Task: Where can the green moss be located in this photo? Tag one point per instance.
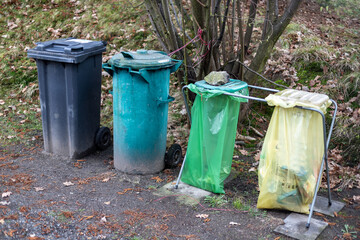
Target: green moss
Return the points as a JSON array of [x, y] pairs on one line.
[[308, 71]]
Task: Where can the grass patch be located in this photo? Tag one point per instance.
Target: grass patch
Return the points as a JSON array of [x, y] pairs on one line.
[[239, 204], [350, 8], [20, 117], [215, 201]]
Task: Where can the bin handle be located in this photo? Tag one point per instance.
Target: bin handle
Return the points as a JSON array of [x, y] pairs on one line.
[[169, 99], [109, 69], [127, 55], [142, 72], [176, 65]]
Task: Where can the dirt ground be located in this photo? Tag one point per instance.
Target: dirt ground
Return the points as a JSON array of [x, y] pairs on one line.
[[53, 197]]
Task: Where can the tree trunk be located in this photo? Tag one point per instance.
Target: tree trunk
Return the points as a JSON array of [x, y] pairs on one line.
[[265, 48]]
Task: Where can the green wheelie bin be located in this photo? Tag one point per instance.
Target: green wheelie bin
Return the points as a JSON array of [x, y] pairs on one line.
[[140, 102]]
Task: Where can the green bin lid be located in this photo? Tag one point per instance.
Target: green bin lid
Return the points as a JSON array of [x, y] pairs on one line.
[[232, 86], [141, 59]]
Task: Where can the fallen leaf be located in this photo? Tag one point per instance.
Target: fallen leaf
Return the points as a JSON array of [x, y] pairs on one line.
[[88, 217], [207, 220], [10, 233], [35, 238], [257, 156], [335, 214], [67, 184], [157, 178], [347, 236], [4, 203], [202, 216], [12, 107], [12, 217], [189, 237], [125, 190], [77, 164], [105, 180], [24, 209], [244, 152], [38, 189], [68, 214], [12, 25], [6, 194], [234, 223], [319, 214]]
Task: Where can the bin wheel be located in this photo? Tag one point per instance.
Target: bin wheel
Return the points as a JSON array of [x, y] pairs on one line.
[[103, 138], [173, 156]]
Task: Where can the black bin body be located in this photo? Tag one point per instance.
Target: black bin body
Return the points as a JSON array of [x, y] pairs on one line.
[[69, 74]]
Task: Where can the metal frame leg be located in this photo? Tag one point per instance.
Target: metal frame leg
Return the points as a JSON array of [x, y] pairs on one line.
[[324, 160], [180, 173], [189, 115]]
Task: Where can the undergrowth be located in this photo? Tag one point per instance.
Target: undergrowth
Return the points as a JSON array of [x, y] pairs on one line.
[[350, 8], [122, 24], [326, 60]]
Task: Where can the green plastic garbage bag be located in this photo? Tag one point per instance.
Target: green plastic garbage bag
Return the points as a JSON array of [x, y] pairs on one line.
[[212, 138]]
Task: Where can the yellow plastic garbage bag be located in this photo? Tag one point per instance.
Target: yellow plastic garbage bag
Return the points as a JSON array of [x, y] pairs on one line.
[[292, 152]]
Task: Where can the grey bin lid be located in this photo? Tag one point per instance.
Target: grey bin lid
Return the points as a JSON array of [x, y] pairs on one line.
[[141, 59], [69, 50]]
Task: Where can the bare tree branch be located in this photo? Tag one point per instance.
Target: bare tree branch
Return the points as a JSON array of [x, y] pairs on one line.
[[158, 23], [250, 23], [180, 24], [241, 49], [266, 20], [169, 25], [216, 8], [218, 42]]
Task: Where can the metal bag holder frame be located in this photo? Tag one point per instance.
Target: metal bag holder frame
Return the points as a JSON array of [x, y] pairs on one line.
[[326, 143]]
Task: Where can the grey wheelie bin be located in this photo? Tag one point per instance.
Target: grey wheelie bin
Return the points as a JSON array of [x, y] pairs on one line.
[[69, 74]]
